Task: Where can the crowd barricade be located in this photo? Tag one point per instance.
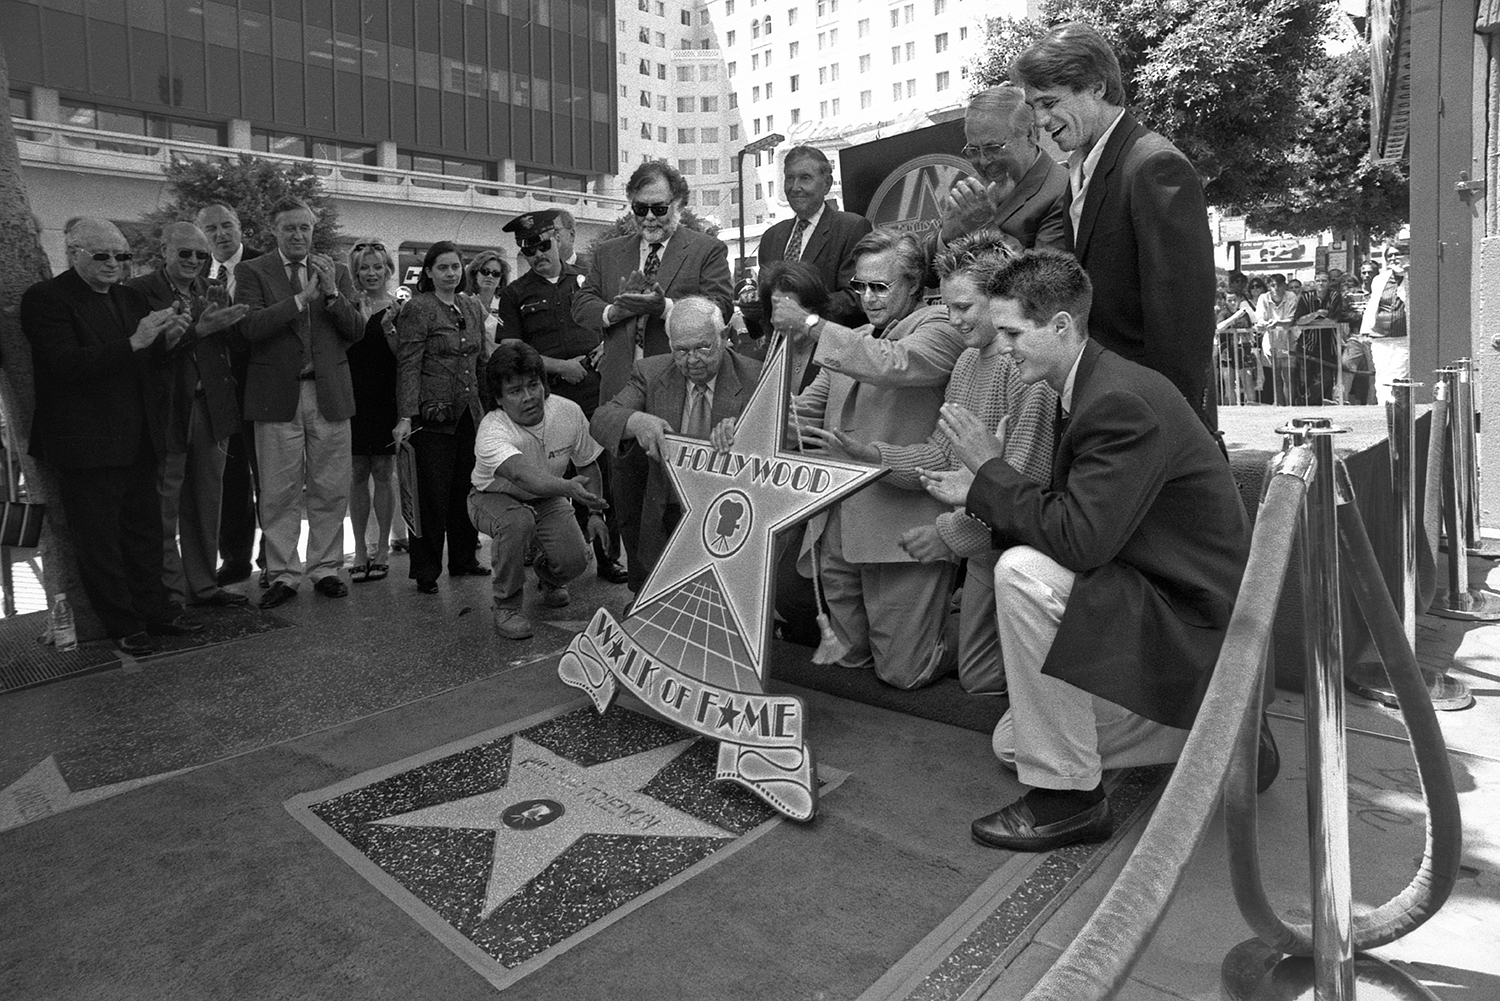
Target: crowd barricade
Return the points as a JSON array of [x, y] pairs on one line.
[[1323, 364]]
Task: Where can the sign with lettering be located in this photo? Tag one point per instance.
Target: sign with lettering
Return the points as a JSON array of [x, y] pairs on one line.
[[694, 645]]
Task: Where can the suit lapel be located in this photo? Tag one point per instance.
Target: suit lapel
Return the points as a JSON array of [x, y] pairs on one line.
[[1062, 456], [1030, 184], [672, 260], [1123, 135], [671, 396], [726, 392], [813, 242]]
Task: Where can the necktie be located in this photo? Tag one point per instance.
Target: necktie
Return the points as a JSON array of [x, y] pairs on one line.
[[653, 263], [794, 245], [294, 275], [1060, 426], [697, 419]]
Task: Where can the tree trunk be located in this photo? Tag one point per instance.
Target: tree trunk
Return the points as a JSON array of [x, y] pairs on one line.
[[22, 264]]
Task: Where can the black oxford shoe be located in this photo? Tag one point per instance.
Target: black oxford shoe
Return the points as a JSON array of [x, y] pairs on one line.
[[1015, 828], [331, 587], [613, 573], [136, 644], [277, 594]]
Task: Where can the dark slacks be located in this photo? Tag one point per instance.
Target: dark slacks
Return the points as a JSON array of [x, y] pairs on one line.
[[609, 551], [445, 468], [627, 489], [115, 515], [237, 504]]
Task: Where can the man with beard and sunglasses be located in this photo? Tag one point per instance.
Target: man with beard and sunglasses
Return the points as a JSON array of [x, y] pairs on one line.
[[631, 287], [203, 411], [538, 308]]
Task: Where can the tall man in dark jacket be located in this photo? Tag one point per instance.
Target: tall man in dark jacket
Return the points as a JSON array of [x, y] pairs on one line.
[[98, 351], [1139, 219], [1116, 581], [202, 413]]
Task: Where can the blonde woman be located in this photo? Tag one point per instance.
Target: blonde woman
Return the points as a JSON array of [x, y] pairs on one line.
[[487, 276], [372, 369]]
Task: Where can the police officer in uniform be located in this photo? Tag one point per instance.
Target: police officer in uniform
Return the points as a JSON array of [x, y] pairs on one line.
[[538, 309]]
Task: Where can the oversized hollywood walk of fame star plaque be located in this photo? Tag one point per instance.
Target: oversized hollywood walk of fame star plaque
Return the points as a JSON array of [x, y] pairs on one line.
[[694, 645]]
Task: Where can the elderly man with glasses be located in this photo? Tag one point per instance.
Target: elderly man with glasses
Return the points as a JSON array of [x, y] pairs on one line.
[[630, 290], [538, 309], [98, 350], [1016, 188], [203, 412]]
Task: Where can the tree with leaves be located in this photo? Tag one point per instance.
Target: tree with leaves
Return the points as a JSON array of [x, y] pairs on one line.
[[252, 185], [1222, 79], [624, 225], [1336, 184]]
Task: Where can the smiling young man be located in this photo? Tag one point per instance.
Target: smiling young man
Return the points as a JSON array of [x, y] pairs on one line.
[[522, 489], [1117, 579], [1139, 223], [817, 233]]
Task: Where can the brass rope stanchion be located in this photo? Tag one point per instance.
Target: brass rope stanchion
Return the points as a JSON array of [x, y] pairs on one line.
[[1298, 961]]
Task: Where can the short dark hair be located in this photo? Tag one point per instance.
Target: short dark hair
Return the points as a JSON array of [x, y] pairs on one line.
[[290, 204], [807, 153], [797, 279], [978, 254], [1072, 55], [1045, 283], [653, 170], [424, 281], [511, 357]]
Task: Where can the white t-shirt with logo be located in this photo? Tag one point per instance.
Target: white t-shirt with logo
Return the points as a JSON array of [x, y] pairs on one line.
[[562, 436]]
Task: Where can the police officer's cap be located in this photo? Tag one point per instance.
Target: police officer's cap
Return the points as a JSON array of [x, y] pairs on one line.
[[530, 227]]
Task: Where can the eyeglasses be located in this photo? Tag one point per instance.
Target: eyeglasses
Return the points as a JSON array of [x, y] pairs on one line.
[[697, 351], [641, 208], [539, 247], [103, 256], [366, 246], [489, 273], [988, 151], [878, 289], [188, 255]]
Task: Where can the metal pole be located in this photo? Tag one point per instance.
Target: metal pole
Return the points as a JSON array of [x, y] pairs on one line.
[[1456, 515], [1463, 409], [1403, 449], [1327, 764], [739, 170]]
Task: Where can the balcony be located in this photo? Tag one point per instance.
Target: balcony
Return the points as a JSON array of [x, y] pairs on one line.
[[85, 150]]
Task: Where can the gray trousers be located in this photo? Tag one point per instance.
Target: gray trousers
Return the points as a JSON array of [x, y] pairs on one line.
[[312, 452], [512, 523]]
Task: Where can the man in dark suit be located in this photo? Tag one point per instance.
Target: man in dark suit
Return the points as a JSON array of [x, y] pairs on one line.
[[300, 397], [692, 390], [220, 223], [817, 233], [202, 413], [1139, 220], [1017, 188], [631, 286], [1316, 357], [1116, 582], [98, 351]]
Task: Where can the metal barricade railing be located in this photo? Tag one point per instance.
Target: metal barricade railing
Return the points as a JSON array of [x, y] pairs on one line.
[[1291, 366], [1307, 485]]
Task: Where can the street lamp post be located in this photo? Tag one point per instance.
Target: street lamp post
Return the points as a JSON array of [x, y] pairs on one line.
[[764, 142]]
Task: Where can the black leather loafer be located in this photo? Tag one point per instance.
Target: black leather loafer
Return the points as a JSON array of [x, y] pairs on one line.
[[221, 599], [178, 625], [278, 594], [613, 573], [1015, 828], [427, 587], [331, 587], [136, 644], [1267, 757]]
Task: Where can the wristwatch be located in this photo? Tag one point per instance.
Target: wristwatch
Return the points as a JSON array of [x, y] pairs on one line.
[[813, 321]]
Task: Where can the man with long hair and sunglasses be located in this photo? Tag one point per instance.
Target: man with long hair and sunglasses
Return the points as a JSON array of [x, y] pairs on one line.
[[631, 287], [538, 308], [203, 411], [98, 350]]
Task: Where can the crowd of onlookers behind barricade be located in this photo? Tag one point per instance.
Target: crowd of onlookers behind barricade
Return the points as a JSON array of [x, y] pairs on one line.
[[1048, 420]]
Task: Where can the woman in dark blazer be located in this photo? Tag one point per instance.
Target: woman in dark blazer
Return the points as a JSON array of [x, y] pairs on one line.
[[439, 337]]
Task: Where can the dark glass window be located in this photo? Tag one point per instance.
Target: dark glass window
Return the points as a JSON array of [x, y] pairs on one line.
[[221, 24], [275, 142], [348, 108], [318, 12], [255, 33], [286, 39], [150, 15], [287, 80], [403, 64], [62, 41], [258, 106], [224, 82], [20, 105], [185, 19], [148, 65], [319, 98], [188, 84], [109, 69], [105, 10]]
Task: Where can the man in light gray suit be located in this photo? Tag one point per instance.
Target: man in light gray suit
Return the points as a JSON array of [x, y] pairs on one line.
[[299, 395]]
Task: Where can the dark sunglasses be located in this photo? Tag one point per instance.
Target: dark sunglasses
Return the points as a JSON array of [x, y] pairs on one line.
[[539, 247], [366, 246], [103, 256], [641, 208], [486, 272], [188, 255]]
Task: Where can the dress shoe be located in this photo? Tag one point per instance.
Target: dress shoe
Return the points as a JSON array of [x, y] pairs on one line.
[[136, 644], [265, 579], [232, 573], [427, 587], [177, 625], [554, 596], [331, 587], [612, 573], [222, 599], [472, 570], [1267, 757], [1014, 827], [512, 624], [278, 594]]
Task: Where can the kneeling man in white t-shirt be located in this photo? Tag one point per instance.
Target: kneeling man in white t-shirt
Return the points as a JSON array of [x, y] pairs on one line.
[[521, 487]]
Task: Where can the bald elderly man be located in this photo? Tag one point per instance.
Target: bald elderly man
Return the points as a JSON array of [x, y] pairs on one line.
[[202, 412], [98, 352]]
